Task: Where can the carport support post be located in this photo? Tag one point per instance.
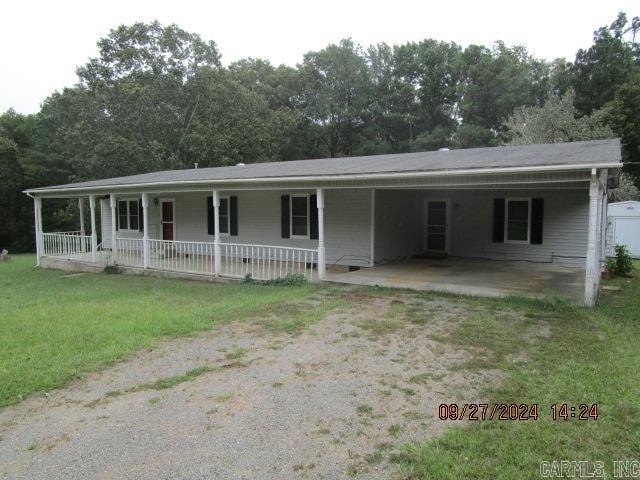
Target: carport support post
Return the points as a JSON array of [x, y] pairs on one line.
[[94, 234], [145, 230], [593, 264], [114, 225], [37, 211], [322, 266], [216, 232]]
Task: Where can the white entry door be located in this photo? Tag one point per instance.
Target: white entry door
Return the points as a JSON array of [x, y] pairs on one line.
[[437, 230]]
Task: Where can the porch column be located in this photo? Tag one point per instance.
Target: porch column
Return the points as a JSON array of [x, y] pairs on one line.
[[216, 232], [114, 225], [94, 233], [322, 266], [37, 212], [592, 274], [81, 213], [145, 230]]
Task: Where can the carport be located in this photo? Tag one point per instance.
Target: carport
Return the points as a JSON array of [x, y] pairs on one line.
[[496, 278]]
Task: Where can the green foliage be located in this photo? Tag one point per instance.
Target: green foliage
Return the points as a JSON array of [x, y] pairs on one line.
[[621, 265], [556, 121], [289, 280]]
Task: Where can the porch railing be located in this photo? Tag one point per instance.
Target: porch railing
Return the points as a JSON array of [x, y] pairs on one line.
[[180, 256], [266, 262], [261, 262], [65, 244], [129, 252]]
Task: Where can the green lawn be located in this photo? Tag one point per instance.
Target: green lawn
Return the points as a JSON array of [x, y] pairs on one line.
[[55, 326], [589, 356]]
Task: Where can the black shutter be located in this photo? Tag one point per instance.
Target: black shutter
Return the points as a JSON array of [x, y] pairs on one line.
[[211, 226], [313, 217], [118, 227], [498, 220], [140, 217], [537, 214], [284, 216], [233, 214]]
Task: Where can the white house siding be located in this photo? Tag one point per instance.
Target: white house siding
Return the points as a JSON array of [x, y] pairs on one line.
[[565, 225], [347, 222], [396, 224], [566, 220]]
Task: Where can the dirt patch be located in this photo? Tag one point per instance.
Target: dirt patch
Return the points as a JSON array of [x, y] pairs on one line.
[[332, 401]]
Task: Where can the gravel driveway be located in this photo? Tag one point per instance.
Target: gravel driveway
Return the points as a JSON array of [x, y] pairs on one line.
[[332, 402]]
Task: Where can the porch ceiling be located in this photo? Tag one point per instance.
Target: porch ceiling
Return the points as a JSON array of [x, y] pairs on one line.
[[473, 277]]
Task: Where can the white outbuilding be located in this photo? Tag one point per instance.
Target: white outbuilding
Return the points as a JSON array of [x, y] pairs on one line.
[[624, 227]]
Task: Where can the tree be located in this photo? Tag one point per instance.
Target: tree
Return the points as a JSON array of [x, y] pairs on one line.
[[493, 83], [556, 121], [598, 71], [336, 94], [10, 194], [625, 120]]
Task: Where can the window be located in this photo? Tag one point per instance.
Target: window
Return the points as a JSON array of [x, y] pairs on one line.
[[518, 220], [128, 215], [300, 216], [223, 215]]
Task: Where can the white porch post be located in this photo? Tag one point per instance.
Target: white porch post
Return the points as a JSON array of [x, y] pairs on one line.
[[114, 225], [145, 230], [216, 232], [592, 274], [94, 233], [37, 212], [322, 266], [81, 213]]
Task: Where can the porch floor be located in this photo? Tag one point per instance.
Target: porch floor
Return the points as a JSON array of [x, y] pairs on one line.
[[473, 277]]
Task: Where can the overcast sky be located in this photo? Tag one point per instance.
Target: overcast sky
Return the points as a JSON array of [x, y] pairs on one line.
[[41, 42]]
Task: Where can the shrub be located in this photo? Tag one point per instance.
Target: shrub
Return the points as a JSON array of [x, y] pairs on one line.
[[289, 280], [621, 265]]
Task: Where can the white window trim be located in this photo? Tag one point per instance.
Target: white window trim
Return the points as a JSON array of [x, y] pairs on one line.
[[506, 219], [128, 229], [308, 235], [228, 233]]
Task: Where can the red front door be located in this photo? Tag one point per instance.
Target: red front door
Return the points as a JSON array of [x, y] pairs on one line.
[[167, 220]]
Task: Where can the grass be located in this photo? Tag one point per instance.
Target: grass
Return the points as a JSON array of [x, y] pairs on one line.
[[172, 381], [585, 356], [55, 327]]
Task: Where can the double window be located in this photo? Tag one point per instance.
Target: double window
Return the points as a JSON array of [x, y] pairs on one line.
[[129, 214], [227, 215], [518, 220]]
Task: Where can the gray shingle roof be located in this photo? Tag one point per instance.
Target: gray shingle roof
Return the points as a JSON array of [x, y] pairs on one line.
[[590, 153]]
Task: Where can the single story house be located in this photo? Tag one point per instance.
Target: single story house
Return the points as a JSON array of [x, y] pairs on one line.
[[624, 227], [538, 206]]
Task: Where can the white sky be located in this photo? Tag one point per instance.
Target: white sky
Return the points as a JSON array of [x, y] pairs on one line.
[[41, 42]]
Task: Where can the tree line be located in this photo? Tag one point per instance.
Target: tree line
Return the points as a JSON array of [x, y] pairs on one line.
[[157, 97]]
